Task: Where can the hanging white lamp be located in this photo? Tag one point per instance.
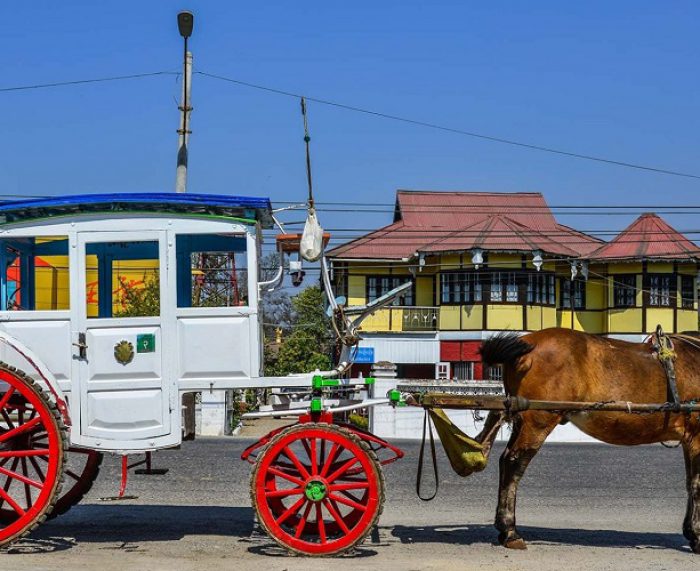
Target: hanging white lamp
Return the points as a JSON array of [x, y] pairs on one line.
[[537, 260], [477, 257]]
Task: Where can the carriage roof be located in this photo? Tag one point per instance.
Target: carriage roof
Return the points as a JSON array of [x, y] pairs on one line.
[[248, 209]]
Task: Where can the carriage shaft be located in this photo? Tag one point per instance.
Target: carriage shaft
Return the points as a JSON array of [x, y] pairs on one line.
[[518, 404]]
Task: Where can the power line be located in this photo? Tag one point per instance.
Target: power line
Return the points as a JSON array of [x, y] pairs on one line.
[[453, 130], [480, 204], [83, 81]]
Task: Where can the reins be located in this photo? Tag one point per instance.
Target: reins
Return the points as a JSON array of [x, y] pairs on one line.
[[692, 341], [427, 424]]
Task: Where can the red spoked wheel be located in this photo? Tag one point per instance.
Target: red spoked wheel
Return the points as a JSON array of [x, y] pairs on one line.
[[81, 470], [317, 489], [32, 454]]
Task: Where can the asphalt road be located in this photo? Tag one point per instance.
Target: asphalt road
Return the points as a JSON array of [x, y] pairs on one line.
[[580, 506]]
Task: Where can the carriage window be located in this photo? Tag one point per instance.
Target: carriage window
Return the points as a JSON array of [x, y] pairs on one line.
[[212, 270], [35, 274], [625, 290], [123, 279]]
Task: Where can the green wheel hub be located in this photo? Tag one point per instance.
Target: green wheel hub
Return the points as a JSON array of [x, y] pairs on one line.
[[315, 490]]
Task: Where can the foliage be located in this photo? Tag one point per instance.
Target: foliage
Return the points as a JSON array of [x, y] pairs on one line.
[[309, 345], [359, 421], [275, 306], [242, 402], [139, 299]]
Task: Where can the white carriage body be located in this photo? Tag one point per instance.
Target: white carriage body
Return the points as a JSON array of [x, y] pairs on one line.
[[134, 404]]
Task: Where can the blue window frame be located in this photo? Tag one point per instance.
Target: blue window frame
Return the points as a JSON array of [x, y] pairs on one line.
[[212, 270]]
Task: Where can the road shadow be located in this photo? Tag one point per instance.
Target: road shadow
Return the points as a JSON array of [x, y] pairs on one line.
[[469, 534], [120, 526], [126, 526]]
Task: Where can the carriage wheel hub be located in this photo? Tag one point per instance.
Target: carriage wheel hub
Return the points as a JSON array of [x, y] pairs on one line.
[[315, 490]]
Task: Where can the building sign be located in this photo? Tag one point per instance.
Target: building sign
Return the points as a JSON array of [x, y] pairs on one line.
[[363, 355]]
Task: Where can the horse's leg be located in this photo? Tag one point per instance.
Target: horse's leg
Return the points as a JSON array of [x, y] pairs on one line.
[[488, 433], [691, 523], [530, 429]]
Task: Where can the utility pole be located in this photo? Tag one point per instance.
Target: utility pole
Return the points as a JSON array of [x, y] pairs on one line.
[[185, 23]]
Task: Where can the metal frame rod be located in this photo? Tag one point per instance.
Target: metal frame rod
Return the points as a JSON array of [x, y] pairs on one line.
[[518, 404]]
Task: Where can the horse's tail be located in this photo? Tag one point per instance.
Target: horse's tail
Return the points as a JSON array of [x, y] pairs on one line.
[[505, 348]]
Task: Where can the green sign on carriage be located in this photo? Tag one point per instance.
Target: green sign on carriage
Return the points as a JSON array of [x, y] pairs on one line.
[[145, 343]]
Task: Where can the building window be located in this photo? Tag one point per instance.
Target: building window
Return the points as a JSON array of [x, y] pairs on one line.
[[540, 289], [494, 373], [579, 291], [687, 292], [463, 370], [442, 371], [460, 287], [340, 273], [504, 287], [625, 290], [377, 286], [660, 290]]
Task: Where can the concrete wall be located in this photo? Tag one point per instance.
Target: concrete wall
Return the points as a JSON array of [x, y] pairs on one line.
[[407, 422]]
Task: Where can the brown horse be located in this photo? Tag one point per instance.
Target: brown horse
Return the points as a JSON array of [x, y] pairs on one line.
[[560, 364]]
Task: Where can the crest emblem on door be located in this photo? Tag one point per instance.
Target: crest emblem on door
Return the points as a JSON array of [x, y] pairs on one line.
[[124, 352]]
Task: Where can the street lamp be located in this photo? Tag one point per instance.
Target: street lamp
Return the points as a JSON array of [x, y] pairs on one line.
[[185, 23]]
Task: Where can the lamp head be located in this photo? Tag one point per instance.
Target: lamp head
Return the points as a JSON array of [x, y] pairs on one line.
[[477, 257], [185, 23]]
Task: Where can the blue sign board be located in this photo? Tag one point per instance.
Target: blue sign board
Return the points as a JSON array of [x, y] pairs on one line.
[[363, 355]]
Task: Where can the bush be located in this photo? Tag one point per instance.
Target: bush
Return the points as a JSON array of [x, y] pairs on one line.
[[359, 421]]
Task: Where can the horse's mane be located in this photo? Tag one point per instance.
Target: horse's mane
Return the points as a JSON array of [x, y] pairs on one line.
[[504, 348]]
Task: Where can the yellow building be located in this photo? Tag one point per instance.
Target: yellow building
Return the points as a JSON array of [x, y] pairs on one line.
[[487, 262]]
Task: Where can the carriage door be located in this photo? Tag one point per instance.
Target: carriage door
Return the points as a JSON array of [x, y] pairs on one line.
[[123, 388]]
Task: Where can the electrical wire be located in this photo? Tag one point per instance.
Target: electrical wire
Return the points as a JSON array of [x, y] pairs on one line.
[[83, 81], [448, 129]]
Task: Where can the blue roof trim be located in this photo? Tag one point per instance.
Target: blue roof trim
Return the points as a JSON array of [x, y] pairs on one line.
[[237, 206]]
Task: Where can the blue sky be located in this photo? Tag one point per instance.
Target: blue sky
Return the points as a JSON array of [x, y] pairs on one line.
[[615, 79]]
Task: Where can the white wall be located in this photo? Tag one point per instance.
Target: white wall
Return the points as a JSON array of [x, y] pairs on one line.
[[407, 422], [410, 348]]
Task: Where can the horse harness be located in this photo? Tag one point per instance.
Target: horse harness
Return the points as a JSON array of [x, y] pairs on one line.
[[662, 345]]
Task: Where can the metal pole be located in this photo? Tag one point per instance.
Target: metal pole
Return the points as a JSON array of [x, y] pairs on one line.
[[183, 131], [518, 404]]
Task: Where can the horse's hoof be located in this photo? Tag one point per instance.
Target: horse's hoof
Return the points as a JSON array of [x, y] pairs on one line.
[[695, 545], [517, 543]]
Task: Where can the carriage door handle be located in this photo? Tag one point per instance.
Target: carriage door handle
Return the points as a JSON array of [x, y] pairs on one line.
[[81, 345]]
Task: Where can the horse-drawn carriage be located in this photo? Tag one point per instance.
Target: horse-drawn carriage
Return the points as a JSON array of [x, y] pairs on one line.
[[112, 307]]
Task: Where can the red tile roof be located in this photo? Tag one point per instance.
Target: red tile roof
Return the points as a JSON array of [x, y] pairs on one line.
[[649, 236], [434, 222]]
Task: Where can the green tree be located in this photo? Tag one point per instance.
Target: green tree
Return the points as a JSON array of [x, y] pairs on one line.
[[309, 345], [139, 300]]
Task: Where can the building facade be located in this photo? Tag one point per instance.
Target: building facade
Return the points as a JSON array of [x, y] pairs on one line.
[[481, 263]]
